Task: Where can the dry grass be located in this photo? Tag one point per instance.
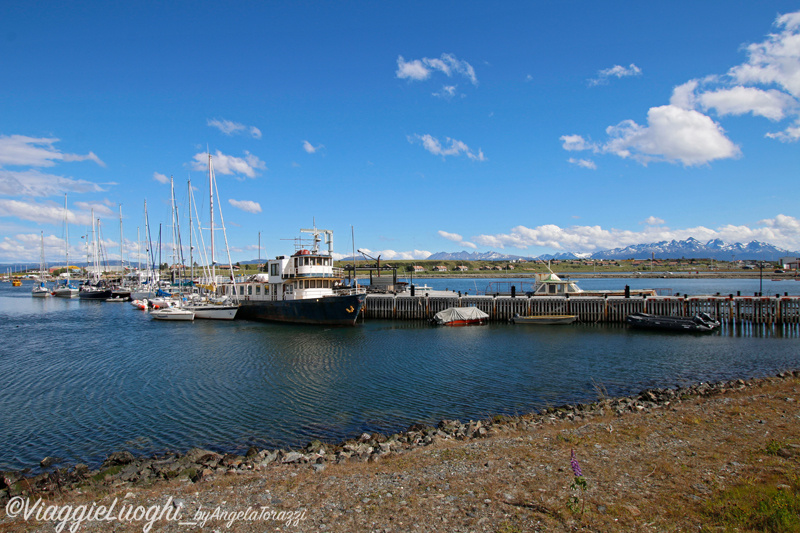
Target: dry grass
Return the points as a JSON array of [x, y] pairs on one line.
[[719, 463]]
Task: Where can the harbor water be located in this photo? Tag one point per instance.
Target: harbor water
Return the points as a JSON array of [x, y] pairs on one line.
[[82, 379]]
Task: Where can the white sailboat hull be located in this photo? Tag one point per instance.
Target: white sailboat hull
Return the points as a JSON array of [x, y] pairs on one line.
[[214, 312], [172, 313]]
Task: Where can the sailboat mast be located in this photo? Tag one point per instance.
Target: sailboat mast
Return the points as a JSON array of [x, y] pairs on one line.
[[66, 235], [191, 230], [211, 204], [121, 244]]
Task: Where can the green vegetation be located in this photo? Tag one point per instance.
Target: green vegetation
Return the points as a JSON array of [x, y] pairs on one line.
[[764, 506]]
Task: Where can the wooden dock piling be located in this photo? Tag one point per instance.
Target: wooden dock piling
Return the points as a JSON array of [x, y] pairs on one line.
[[591, 309]]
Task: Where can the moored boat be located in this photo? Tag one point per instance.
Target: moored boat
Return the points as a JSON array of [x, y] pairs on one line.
[[544, 319], [701, 322], [303, 288], [460, 316], [172, 313]]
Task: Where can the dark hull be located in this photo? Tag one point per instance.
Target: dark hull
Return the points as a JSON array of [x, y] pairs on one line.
[[94, 295], [329, 311], [671, 323]]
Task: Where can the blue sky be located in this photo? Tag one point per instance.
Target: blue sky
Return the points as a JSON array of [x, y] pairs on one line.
[[522, 127]]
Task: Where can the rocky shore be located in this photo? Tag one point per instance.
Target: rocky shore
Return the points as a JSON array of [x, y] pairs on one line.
[[500, 474]]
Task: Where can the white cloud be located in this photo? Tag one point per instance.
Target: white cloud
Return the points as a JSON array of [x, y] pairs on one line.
[[672, 134], [782, 231], [770, 104], [35, 183], [790, 134], [447, 92], [246, 205], [310, 148], [48, 213], [617, 71], [230, 165], [577, 143], [20, 150], [775, 60], [455, 147], [421, 69], [455, 237], [386, 255], [100, 209], [161, 178], [228, 127], [680, 132], [583, 163]]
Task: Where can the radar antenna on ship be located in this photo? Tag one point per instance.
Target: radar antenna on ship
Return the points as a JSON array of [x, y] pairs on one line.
[[316, 233]]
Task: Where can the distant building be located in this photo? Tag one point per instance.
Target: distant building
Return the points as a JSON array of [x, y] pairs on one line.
[[789, 262], [462, 268], [440, 268]]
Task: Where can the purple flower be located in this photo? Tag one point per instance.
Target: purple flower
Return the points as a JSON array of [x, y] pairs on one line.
[[576, 468]]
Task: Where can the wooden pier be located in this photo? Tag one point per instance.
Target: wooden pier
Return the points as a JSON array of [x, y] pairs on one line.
[[591, 309]]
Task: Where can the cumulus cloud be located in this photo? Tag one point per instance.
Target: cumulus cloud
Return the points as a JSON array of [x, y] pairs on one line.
[[452, 148], [230, 165], [20, 150], [228, 127], [310, 148], [391, 254], [161, 178], [246, 205], [782, 231], [672, 134], [422, 69], [770, 104], [766, 85], [617, 71]]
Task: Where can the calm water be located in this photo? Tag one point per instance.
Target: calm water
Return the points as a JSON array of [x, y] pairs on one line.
[[82, 379]]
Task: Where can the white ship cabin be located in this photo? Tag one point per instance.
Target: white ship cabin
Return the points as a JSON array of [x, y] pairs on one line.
[[304, 275], [552, 285]]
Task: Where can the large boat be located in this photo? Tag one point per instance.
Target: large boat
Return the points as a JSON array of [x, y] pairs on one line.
[[303, 288]]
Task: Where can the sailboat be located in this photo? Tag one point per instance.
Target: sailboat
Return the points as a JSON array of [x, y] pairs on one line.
[[206, 307], [67, 290], [40, 289], [96, 288]]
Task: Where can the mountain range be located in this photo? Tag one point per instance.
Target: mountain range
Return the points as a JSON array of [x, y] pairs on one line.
[[689, 249]]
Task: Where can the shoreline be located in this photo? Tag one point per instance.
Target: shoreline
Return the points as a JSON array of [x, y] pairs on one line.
[[122, 469]]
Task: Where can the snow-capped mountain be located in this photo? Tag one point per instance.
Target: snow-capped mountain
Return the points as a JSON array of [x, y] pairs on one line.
[[692, 248]]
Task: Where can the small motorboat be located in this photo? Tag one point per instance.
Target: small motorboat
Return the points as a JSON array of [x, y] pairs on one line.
[[172, 313], [544, 319], [115, 299], [460, 316], [701, 322]]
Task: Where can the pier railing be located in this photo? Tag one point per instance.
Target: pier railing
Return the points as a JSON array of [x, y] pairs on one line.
[[591, 309]]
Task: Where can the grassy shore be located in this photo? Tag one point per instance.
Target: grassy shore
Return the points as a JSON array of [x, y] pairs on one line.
[[716, 458]]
